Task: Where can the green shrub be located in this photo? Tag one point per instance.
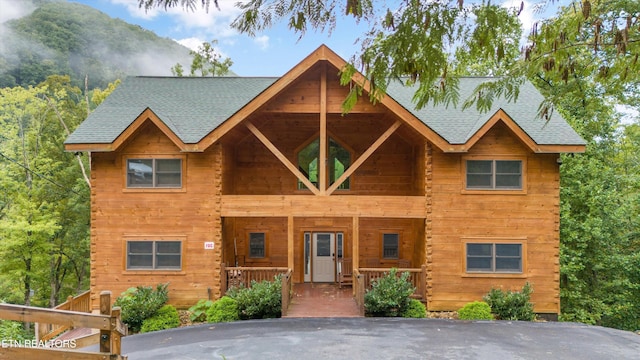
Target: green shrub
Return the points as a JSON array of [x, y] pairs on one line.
[[13, 330], [198, 312], [262, 300], [141, 303], [477, 310], [389, 295], [416, 309], [165, 318], [511, 305], [224, 309]]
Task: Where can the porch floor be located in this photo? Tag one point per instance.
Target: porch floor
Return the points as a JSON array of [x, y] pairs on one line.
[[322, 300]]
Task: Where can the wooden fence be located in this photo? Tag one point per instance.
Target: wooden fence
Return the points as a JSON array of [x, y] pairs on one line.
[[108, 322], [80, 303]]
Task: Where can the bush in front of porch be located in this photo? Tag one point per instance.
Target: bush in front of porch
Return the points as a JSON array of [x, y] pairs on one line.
[[263, 300], [389, 295]]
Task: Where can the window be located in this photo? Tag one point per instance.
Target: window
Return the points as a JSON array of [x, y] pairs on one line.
[[154, 173], [154, 255], [390, 246], [257, 242], [494, 174], [338, 160], [491, 257]]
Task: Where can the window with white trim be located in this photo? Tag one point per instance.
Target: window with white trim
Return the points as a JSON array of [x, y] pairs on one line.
[[154, 255], [154, 173], [494, 174], [390, 246], [494, 257]]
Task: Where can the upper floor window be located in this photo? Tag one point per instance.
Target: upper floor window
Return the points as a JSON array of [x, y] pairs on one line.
[[154, 173], [338, 160], [154, 255], [494, 174]]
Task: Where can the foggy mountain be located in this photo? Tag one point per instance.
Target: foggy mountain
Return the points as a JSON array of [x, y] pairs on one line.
[[39, 38]]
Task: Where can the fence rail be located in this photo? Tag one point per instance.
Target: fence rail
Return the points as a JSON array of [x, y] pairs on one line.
[[79, 303], [108, 322], [243, 276]]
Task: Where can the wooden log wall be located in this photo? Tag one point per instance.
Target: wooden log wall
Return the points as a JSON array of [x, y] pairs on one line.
[[190, 214], [532, 217]]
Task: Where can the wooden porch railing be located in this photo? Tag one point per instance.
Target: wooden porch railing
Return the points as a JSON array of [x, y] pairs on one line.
[[286, 292], [364, 277], [243, 276], [358, 287], [79, 303], [108, 322]]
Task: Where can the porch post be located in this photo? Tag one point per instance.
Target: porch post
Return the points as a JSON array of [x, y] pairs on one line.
[[290, 242], [355, 247]]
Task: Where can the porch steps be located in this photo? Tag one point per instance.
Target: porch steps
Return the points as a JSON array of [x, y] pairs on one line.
[[322, 300]]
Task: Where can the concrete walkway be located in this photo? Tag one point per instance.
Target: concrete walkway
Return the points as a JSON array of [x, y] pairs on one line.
[[384, 338]]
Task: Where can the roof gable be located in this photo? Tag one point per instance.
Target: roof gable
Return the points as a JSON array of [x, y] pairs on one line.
[[196, 112]]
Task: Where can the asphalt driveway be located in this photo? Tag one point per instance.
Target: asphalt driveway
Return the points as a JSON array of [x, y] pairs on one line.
[[384, 338]]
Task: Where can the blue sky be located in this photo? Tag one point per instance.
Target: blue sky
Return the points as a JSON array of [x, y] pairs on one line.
[[271, 53]]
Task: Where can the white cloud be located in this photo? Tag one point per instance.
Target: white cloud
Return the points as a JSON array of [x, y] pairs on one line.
[[262, 42], [137, 12], [12, 9], [212, 24], [526, 17], [192, 43]]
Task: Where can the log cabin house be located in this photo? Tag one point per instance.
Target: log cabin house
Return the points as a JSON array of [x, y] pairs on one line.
[[192, 175]]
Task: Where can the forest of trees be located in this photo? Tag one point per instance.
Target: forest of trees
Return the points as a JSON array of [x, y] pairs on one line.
[[584, 60]]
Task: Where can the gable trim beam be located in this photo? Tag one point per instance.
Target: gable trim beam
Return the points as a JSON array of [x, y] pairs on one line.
[[322, 161], [263, 97], [283, 159], [365, 155]]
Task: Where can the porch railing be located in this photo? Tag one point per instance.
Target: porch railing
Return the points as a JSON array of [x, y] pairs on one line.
[[286, 292], [358, 286], [364, 277], [243, 276], [79, 303]]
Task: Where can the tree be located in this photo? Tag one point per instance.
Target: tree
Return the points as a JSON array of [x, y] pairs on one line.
[[206, 60], [421, 40], [44, 200]]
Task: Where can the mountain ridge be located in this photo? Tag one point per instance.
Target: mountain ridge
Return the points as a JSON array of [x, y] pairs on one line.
[[66, 38]]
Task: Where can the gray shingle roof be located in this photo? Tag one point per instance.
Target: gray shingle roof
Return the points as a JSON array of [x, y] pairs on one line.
[[457, 126], [193, 107]]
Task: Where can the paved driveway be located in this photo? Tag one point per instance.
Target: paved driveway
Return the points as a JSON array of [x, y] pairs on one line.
[[384, 338]]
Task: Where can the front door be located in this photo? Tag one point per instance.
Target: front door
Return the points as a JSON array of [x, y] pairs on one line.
[[324, 265]]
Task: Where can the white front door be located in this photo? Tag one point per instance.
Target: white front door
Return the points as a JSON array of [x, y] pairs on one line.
[[324, 263]]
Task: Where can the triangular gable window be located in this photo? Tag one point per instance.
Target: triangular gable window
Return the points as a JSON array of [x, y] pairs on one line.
[[338, 160]]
